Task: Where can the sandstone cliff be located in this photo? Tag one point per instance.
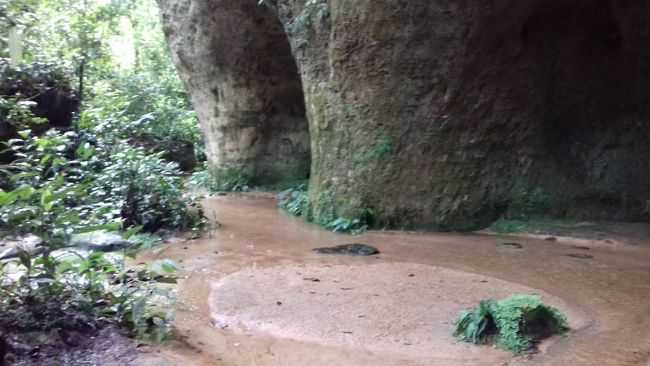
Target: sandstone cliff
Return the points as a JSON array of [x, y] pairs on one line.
[[431, 113]]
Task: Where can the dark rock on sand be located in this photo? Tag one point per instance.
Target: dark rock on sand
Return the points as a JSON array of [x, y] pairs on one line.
[[355, 249]]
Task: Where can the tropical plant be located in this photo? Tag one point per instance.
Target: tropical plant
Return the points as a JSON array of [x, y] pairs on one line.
[[72, 291], [515, 323]]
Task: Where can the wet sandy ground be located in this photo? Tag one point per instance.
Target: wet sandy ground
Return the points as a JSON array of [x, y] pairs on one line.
[[248, 294]]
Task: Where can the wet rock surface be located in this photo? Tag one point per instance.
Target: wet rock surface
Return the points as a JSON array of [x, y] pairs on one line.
[[100, 241], [467, 104], [355, 249], [11, 248]]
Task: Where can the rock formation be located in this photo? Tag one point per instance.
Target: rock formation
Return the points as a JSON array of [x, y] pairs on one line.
[[428, 113], [236, 62]]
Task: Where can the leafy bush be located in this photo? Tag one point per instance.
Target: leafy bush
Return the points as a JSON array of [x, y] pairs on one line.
[[33, 78], [143, 190], [144, 108], [75, 292], [18, 113], [295, 200], [43, 188], [515, 323], [96, 184]]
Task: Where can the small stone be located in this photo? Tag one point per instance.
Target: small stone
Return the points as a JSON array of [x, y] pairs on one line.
[[278, 303], [550, 238], [411, 275]]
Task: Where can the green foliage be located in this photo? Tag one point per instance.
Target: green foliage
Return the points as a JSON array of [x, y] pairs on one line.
[[529, 204], [314, 10], [64, 182], [141, 241], [18, 113], [504, 226], [26, 81], [45, 184], [21, 86], [224, 180], [143, 190], [152, 107], [344, 225], [296, 202], [377, 152], [95, 184], [515, 323], [73, 292]]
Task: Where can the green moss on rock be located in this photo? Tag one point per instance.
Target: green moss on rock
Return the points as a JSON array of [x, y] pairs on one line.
[[515, 323]]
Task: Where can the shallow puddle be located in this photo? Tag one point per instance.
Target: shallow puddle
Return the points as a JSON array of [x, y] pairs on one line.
[[254, 293]]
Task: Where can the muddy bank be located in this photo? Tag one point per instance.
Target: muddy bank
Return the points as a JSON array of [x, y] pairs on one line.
[[234, 278]]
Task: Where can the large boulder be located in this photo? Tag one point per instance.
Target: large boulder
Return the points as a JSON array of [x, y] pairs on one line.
[[432, 113]]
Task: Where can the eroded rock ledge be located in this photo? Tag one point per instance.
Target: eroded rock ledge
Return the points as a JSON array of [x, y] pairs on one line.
[[430, 113]]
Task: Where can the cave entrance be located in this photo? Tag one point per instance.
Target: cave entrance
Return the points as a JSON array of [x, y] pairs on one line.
[[282, 146], [236, 61]]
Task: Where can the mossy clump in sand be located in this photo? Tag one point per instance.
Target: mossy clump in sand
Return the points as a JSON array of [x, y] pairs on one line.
[[515, 323]]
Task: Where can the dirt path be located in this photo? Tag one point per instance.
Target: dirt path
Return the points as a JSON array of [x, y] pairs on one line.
[[254, 294]]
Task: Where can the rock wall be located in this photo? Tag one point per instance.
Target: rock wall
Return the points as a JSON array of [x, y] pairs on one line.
[[244, 84], [439, 114]]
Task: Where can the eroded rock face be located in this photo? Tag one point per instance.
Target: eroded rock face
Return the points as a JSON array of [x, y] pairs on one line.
[[244, 84], [437, 113]]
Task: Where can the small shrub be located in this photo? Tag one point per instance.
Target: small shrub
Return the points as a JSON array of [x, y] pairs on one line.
[[94, 184], [295, 200], [143, 190], [78, 293], [515, 323]]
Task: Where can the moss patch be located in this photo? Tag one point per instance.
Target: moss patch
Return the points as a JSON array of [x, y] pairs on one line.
[[515, 323]]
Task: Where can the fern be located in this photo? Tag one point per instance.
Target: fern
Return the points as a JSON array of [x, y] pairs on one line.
[[516, 323]]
